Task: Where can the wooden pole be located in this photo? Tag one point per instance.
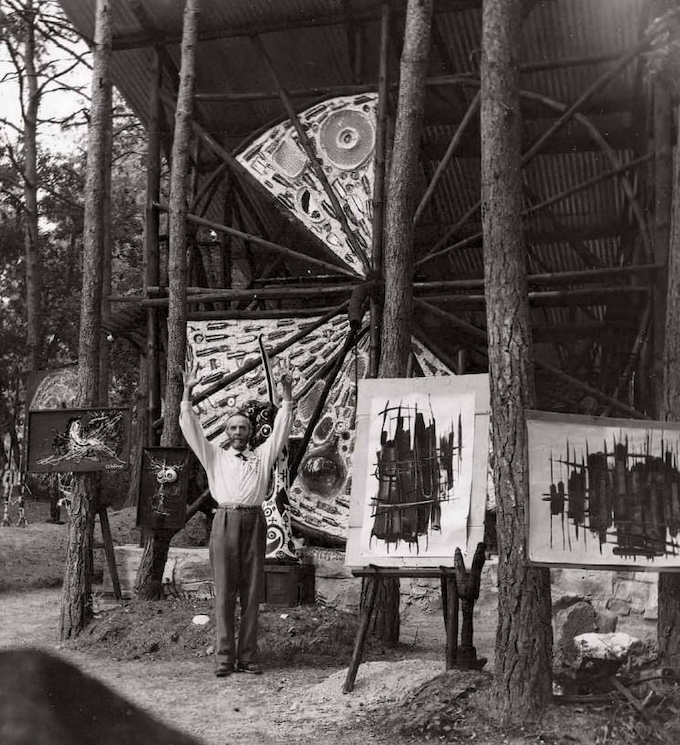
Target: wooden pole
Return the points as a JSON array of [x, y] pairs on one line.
[[76, 598], [470, 240], [228, 230], [560, 374], [523, 685], [365, 620], [448, 155], [107, 540], [152, 248], [380, 168], [663, 198], [450, 606], [398, 251], [230, 377], [148, 584], [221, 315], [353, 338]]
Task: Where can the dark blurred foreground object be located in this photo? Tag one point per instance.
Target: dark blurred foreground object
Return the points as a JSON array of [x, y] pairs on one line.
[[45, 700]]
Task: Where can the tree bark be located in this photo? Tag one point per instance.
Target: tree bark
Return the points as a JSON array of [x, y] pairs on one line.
[[150, 574], [668, 624], [400, 198], [524, 634], [76, 599], [31, 233], [397, 317]]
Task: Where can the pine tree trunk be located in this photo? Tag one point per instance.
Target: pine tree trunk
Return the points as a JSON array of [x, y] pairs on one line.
[[150, 574], [668, 625], [397, 319], [524, 634], [31, 234], [76, 603]]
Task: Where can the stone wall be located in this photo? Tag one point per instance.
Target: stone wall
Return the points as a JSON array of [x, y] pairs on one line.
[[627, 594]]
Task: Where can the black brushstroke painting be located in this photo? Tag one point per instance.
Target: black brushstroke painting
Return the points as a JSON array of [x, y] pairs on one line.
[[415, 470], [617, 494]]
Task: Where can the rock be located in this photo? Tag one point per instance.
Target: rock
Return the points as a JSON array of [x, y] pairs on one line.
[[605, 646], [605, 621], [578, 618]]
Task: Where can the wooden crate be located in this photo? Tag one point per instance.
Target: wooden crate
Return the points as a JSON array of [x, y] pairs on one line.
[[289, 584]]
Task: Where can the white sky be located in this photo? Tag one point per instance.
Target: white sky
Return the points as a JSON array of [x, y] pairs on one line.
[[56, 104]]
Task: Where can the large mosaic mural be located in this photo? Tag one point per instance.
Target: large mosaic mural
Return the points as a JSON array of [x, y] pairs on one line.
[[342, 131], [317, 500]]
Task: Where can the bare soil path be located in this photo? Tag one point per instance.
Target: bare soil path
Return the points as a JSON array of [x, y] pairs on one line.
[[286, 705]]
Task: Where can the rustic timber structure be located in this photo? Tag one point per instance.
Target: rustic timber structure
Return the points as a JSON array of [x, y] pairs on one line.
[[593, 127]]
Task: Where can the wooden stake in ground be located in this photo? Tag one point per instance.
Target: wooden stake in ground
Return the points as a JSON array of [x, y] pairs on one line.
[[149, 580], [396, 328], [524, 636], [76, 599]]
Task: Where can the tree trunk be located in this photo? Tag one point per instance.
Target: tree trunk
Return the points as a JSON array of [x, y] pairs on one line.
[[150, 574], [76, 599], [524, 634], [397, 318], [31, 235], [668, 625]]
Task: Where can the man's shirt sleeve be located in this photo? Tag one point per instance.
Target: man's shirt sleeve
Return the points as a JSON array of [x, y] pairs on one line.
[[194, 435]]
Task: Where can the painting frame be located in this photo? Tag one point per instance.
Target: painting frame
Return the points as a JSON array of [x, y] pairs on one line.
[[78, 440], [174, 494], [600, 477], [470, 390]]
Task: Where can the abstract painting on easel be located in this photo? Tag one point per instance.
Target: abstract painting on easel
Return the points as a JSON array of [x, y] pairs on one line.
[[412, 481], [604, 492]]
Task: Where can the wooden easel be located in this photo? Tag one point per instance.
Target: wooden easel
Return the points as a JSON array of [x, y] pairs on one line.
[[107, 540], [457, 585]]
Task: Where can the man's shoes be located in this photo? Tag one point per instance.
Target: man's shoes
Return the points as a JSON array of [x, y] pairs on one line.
[[224, 669], [249, 667]]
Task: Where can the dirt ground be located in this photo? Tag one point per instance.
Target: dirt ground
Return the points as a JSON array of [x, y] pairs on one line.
[[154, 655]]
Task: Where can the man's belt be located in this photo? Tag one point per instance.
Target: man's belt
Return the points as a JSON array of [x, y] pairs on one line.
[[236, 506]]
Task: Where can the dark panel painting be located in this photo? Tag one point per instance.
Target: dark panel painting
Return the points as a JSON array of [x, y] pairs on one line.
[[77, 440], [163, 488]]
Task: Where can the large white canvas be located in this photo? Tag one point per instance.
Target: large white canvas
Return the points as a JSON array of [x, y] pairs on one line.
[[603, 492], [456, 409]]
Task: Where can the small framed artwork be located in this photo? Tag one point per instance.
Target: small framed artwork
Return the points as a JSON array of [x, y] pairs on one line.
[[420, 471], [77, 440], [163, 488], [603, 492]]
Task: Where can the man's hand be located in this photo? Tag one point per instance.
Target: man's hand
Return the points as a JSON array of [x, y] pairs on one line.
[[191, 380], [286, 378]]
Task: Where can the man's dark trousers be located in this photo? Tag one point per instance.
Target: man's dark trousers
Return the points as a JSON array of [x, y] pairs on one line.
[[237, 547]]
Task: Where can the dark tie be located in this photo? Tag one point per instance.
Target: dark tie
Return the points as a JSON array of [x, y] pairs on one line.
[[242, 457]]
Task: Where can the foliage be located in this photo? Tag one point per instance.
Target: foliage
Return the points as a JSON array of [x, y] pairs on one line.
[[61, 67]]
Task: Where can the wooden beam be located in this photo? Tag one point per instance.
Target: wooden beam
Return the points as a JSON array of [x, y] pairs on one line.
[[540, 364], [380, 170], [448, 156], [552, 298], [249, 237], [231, 377], [224, 315], [152, 247]]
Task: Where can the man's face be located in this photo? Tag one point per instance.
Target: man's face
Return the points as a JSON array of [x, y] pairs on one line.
[[238, 429]]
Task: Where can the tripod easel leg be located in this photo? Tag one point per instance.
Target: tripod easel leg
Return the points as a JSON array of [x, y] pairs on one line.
[[366, 614], [450, 607], [108, 550]]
